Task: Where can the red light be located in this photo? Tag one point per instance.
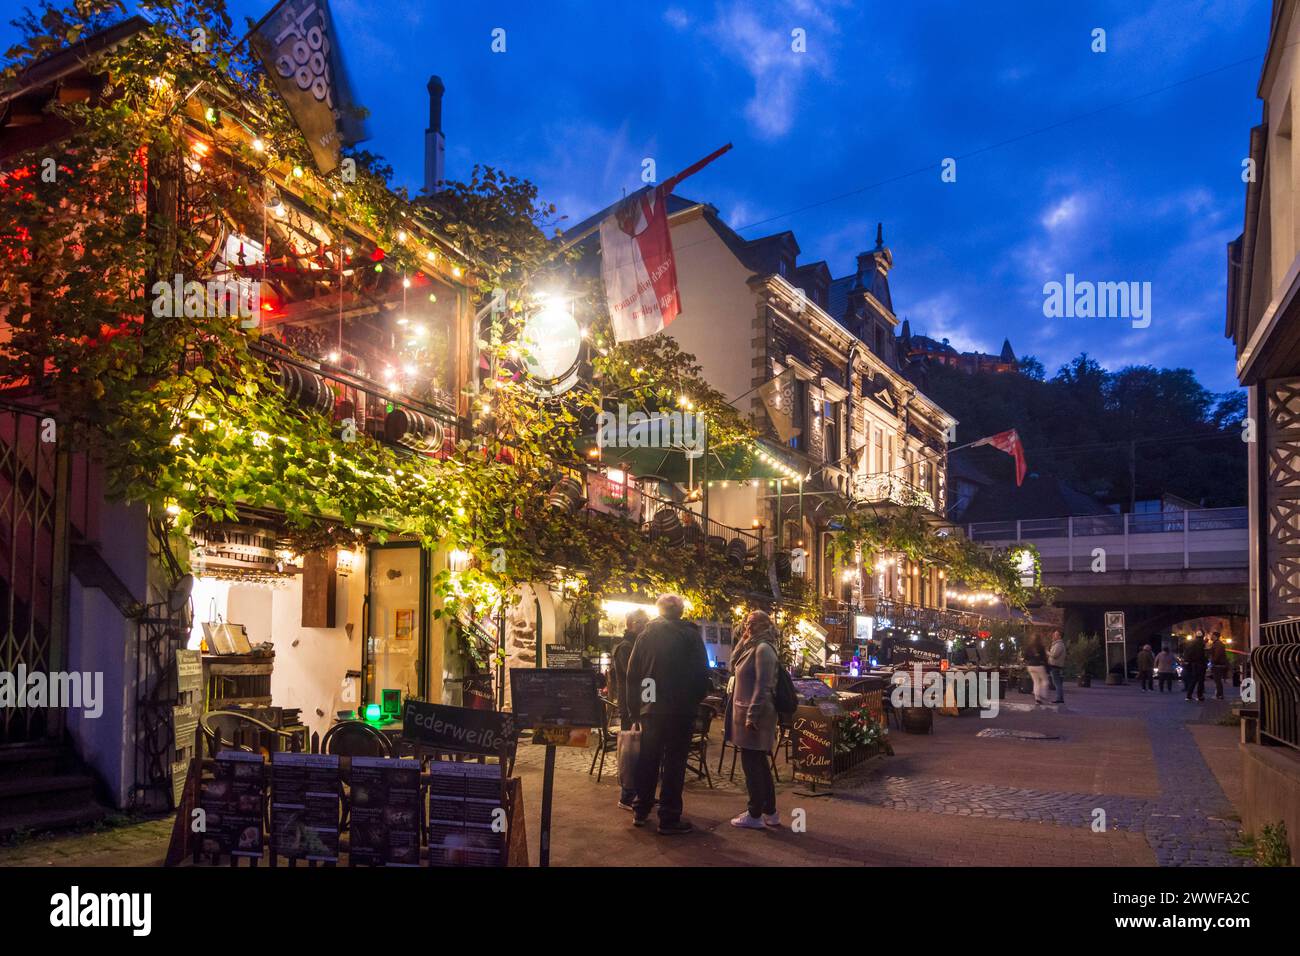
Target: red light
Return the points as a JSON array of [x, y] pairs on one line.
[[267, 307]]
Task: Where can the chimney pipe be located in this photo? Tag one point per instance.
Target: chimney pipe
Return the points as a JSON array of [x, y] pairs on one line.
[[434, 141]]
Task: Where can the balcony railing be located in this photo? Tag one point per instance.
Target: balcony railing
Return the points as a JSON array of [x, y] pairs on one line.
[[888, 488], [1204, 538], [1275, 663]]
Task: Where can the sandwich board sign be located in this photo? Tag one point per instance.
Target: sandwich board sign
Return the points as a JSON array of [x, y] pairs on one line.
[[1116, 638]]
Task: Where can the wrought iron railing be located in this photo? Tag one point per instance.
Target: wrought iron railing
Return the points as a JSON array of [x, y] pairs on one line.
[[891, 488], [1275, 664]]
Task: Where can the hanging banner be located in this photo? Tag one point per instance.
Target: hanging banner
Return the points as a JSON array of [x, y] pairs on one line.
[[299, 47]]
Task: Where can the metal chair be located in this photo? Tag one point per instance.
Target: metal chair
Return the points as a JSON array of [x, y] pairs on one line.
[[699, 750], [221, 728], [355, 738], [606, 739]]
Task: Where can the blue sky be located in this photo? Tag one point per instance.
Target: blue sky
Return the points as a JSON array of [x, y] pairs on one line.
[[1148, 191]]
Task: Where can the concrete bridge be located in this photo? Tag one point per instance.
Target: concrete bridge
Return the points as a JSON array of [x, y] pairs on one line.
[[1160, 568]]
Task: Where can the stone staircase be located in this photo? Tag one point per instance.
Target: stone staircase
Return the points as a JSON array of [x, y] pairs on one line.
[[43, 786]]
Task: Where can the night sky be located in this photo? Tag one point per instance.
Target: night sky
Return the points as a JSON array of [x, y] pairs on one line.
[[1115, 166]]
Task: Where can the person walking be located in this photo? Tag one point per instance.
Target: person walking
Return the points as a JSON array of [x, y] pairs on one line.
[[1056, 665], [1166, 669], [1218, 664], [635, 624], [667, 678], [1146, 665], [1035, 655], [1194, 667], [753, 718]]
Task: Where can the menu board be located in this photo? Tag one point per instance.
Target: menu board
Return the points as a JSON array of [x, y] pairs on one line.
[[305, 806], [556, 697], [462, 729], [234, 802], [813, 744], [185, 716], [464, 800], [384, 829], [562, 657]]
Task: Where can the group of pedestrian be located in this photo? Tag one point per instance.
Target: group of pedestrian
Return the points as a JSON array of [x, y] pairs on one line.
[[1045, 662], [660, 678], [1197, 660]]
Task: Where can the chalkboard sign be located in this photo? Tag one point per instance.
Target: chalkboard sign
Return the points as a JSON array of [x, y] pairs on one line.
[[814, 742], [556, 697], [564, 658], [233, 803], [921, 651], [384, 829], [462, 729], [465, 827], [305, 806]]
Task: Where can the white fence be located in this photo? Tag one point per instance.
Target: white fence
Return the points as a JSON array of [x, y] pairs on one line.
[[1165, 540]]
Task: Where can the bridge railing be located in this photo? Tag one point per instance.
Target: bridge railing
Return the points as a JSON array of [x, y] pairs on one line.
[[1160, 540]]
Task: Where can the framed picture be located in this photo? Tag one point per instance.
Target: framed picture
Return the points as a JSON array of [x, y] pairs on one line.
[[404, 624]]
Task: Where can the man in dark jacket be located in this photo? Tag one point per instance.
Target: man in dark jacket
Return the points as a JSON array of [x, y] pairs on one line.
[[667, 677], [1194, 666], [636, 622], [1218, 664]]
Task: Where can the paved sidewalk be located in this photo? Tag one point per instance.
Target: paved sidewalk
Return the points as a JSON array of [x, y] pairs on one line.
[[947, 799]]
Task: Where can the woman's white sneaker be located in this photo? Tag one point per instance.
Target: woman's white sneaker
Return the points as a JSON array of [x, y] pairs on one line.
[[772, 820], [746, 822]]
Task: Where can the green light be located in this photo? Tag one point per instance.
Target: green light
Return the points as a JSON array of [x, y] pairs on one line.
[[374, 712]]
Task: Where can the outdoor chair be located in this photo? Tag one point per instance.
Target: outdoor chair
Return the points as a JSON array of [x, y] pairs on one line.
[[698, 756], [355, 738], [606, 739], [229, 728]]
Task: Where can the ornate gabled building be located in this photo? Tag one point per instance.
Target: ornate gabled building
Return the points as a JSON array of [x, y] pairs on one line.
[[1263, 321]]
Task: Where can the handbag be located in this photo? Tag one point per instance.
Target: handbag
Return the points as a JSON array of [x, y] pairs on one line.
[[629, 749]]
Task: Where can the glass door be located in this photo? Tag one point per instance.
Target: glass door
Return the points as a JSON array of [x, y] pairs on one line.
[[396, 621]]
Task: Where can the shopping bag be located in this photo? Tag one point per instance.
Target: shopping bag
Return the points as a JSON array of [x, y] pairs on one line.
[[629, 748]]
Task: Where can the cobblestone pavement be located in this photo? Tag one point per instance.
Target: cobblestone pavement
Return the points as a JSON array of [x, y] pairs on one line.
[[1190, 823]]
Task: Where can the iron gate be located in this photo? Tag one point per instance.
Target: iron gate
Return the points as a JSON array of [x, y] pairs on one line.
[[34, 494]]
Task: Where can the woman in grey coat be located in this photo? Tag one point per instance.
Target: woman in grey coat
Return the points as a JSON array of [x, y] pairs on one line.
[[753, 718]]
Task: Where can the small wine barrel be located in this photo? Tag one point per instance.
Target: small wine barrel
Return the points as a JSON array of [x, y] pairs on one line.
[[306, 388], [782, 561], [717, 544], [737, 553], [667, 525], [412, 429], [566, 495]]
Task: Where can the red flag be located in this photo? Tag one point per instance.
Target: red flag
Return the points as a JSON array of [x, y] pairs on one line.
[[637, 263], [1008, 442]]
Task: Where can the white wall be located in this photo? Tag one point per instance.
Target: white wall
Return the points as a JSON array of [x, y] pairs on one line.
[[101, 640], [310, 662]]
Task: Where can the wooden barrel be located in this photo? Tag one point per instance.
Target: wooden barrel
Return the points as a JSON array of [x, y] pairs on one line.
[[737, 553], [412, 429], [306, 388], [717, 544], [565, 495], [667, 525]]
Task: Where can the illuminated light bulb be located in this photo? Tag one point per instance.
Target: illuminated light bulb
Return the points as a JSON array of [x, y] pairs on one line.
[[431, 256], [402, 320], [199, 147], [409, 369], [401, 235], [406, 283], [297, 172], [347, 250], [333, 357], [258, 146], [433, 297], [455, 270]]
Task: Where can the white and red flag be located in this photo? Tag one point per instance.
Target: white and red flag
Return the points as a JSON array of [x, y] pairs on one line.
[[637, 264], [1009, 442]]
